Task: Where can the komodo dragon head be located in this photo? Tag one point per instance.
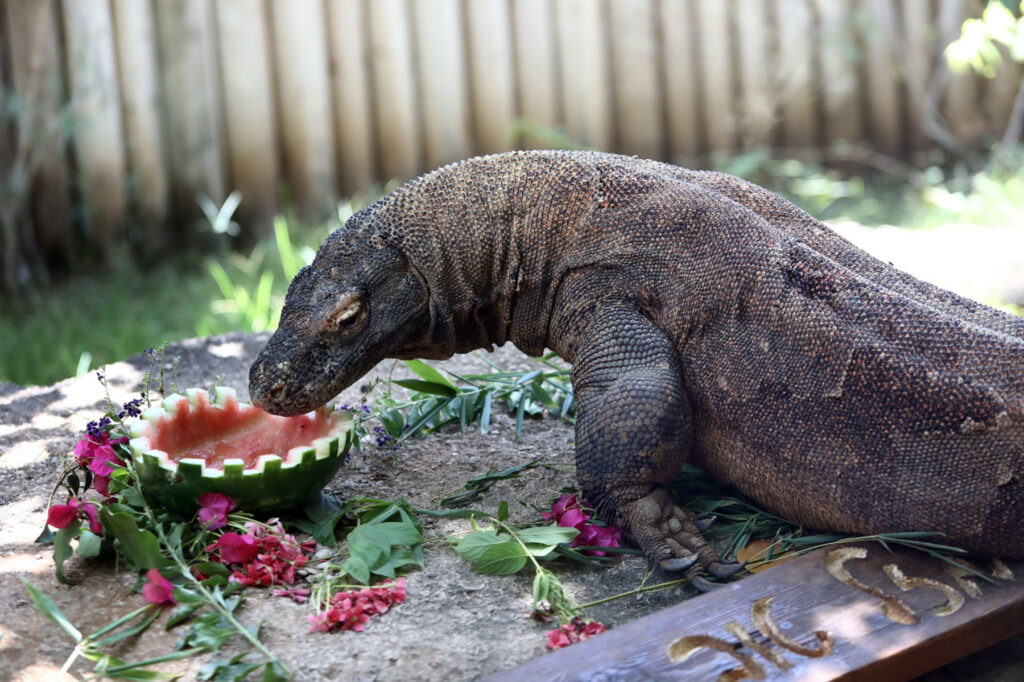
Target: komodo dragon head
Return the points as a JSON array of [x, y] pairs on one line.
[[359, 302]]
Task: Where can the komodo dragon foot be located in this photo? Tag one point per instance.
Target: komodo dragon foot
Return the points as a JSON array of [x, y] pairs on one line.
[[671, 536]]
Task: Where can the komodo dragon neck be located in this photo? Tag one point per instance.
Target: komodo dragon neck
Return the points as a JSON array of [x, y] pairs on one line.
[[486, 236]]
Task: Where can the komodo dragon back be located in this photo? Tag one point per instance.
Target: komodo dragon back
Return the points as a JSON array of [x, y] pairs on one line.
[[707, 320]]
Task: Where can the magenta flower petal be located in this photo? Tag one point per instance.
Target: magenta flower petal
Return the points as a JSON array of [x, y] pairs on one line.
[[234, 548], [61, 515], [573, 518], [90, 512], [158, 589], [102, 459], [214, 509]]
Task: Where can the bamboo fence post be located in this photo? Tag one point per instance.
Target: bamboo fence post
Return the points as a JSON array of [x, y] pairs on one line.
[[352, 94], [304, 104], [638, 95], [441, 65], [536, 68], [491, 79], [244, 51], [394, 89], [145, 153]]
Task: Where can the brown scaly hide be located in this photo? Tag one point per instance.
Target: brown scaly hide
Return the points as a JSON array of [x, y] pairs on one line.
[[707, 320]]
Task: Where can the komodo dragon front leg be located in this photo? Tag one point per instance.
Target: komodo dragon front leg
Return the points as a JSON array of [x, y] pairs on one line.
[[633, 433]]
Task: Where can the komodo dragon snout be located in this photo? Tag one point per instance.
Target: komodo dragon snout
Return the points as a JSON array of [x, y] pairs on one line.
[[342, 315]]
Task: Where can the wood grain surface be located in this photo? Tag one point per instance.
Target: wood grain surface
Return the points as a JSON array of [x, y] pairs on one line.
[[856, 612]]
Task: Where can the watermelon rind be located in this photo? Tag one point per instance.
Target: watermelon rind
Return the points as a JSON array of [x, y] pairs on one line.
[[274, 485]]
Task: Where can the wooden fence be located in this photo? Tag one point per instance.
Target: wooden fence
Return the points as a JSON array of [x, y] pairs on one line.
[[162, 101]]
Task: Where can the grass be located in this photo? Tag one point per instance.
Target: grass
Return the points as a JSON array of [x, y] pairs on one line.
[[93, 320]]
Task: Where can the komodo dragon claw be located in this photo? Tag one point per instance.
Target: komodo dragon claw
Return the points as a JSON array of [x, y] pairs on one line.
[[725, 569], [703, 585], [678, 563]]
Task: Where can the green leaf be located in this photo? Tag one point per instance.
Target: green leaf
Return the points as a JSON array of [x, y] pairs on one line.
[[129, 632], [427, 373], [88, 544], [502, 510], [452, 513], [276, 672], [46, 537], [472, 546], [547, 535], [358, 569], [213, 568], [445, 390], [140, 547], [485, 413], [541, 587], [222, 669], [424, 417], [180, 614], [504, 559], [385, 534], [51, 611], [62, 548]]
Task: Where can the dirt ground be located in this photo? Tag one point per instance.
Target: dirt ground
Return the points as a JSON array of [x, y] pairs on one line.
[[455, 625]]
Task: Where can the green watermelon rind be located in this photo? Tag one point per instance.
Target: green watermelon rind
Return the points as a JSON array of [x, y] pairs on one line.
[[273, 486]]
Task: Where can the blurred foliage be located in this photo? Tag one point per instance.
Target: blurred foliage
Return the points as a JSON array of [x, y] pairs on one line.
[[978, 45]]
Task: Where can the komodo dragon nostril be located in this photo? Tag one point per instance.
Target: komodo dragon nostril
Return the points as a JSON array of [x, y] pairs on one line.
[[276, 391]]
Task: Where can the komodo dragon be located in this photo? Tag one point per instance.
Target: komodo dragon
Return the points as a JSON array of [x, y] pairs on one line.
[[707, 320]]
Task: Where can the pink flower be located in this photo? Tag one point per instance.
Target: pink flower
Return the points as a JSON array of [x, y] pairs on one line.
[[266, 555], [234, 548], [573, 518], [353, 609], [158, 589], [561, 504], [568, 512], [299, 594], [98, 454], [598, 536], [61, 515], [576, 630], [214, 509]]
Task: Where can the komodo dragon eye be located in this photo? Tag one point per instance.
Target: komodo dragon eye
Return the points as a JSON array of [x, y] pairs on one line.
[[346, 315]]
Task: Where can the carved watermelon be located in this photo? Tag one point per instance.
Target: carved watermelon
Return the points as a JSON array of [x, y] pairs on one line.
[[267, 464]]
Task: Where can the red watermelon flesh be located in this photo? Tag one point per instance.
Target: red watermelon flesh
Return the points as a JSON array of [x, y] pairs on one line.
[[216, 433]]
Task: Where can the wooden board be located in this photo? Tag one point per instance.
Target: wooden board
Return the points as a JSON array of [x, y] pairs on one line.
[[717, 74], [33, 50], [98, 135], [840, 59], [794, 79], [140, 107], [536, 67], [350, 87], [586, 91], [883, 78], [191, 106], [758, 105], [491, 76], [682, 83], [394, 90], [635, 57], [304, 104], [441, 64], [853, 612], [245, 62]]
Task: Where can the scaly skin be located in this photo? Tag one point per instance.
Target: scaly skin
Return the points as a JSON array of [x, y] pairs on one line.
[[707, 320]]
